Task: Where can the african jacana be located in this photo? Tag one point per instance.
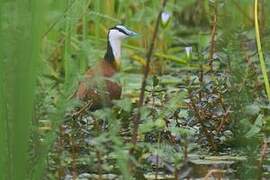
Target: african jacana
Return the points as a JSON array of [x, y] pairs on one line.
[[90, 88]]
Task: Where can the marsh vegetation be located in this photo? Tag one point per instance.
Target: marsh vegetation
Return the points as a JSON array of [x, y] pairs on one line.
[[195, 90]]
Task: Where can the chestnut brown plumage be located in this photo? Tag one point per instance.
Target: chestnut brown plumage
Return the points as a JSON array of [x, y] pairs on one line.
[[90, 90], [96, 87]]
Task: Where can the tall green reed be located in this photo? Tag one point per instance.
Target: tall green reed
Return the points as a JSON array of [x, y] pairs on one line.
[[21, 39], [4, 145]]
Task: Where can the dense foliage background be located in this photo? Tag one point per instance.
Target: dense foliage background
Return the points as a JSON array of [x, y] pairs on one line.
[[206, 106]]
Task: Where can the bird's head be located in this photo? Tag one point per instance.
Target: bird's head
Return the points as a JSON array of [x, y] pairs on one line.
[[115, 35], [120, 32]]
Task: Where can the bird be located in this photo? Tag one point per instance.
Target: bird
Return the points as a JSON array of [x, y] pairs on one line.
[[96, 88]]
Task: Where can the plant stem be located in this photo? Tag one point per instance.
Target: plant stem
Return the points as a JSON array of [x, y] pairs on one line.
[[136, 118], [213, 38], [260, 51]]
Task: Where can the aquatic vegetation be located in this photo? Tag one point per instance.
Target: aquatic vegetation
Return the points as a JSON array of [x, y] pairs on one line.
[[192, 89]]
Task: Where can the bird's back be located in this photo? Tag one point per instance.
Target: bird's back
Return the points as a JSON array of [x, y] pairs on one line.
[[97, 87]]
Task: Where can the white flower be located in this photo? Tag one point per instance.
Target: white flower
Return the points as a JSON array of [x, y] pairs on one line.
[[188, 50], [165, 17]]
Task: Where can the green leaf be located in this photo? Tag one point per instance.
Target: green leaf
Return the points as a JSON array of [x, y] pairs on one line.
[[125, 104], [256, 127], [252, 109], [155, 81], [146, 127], [160, 123]]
